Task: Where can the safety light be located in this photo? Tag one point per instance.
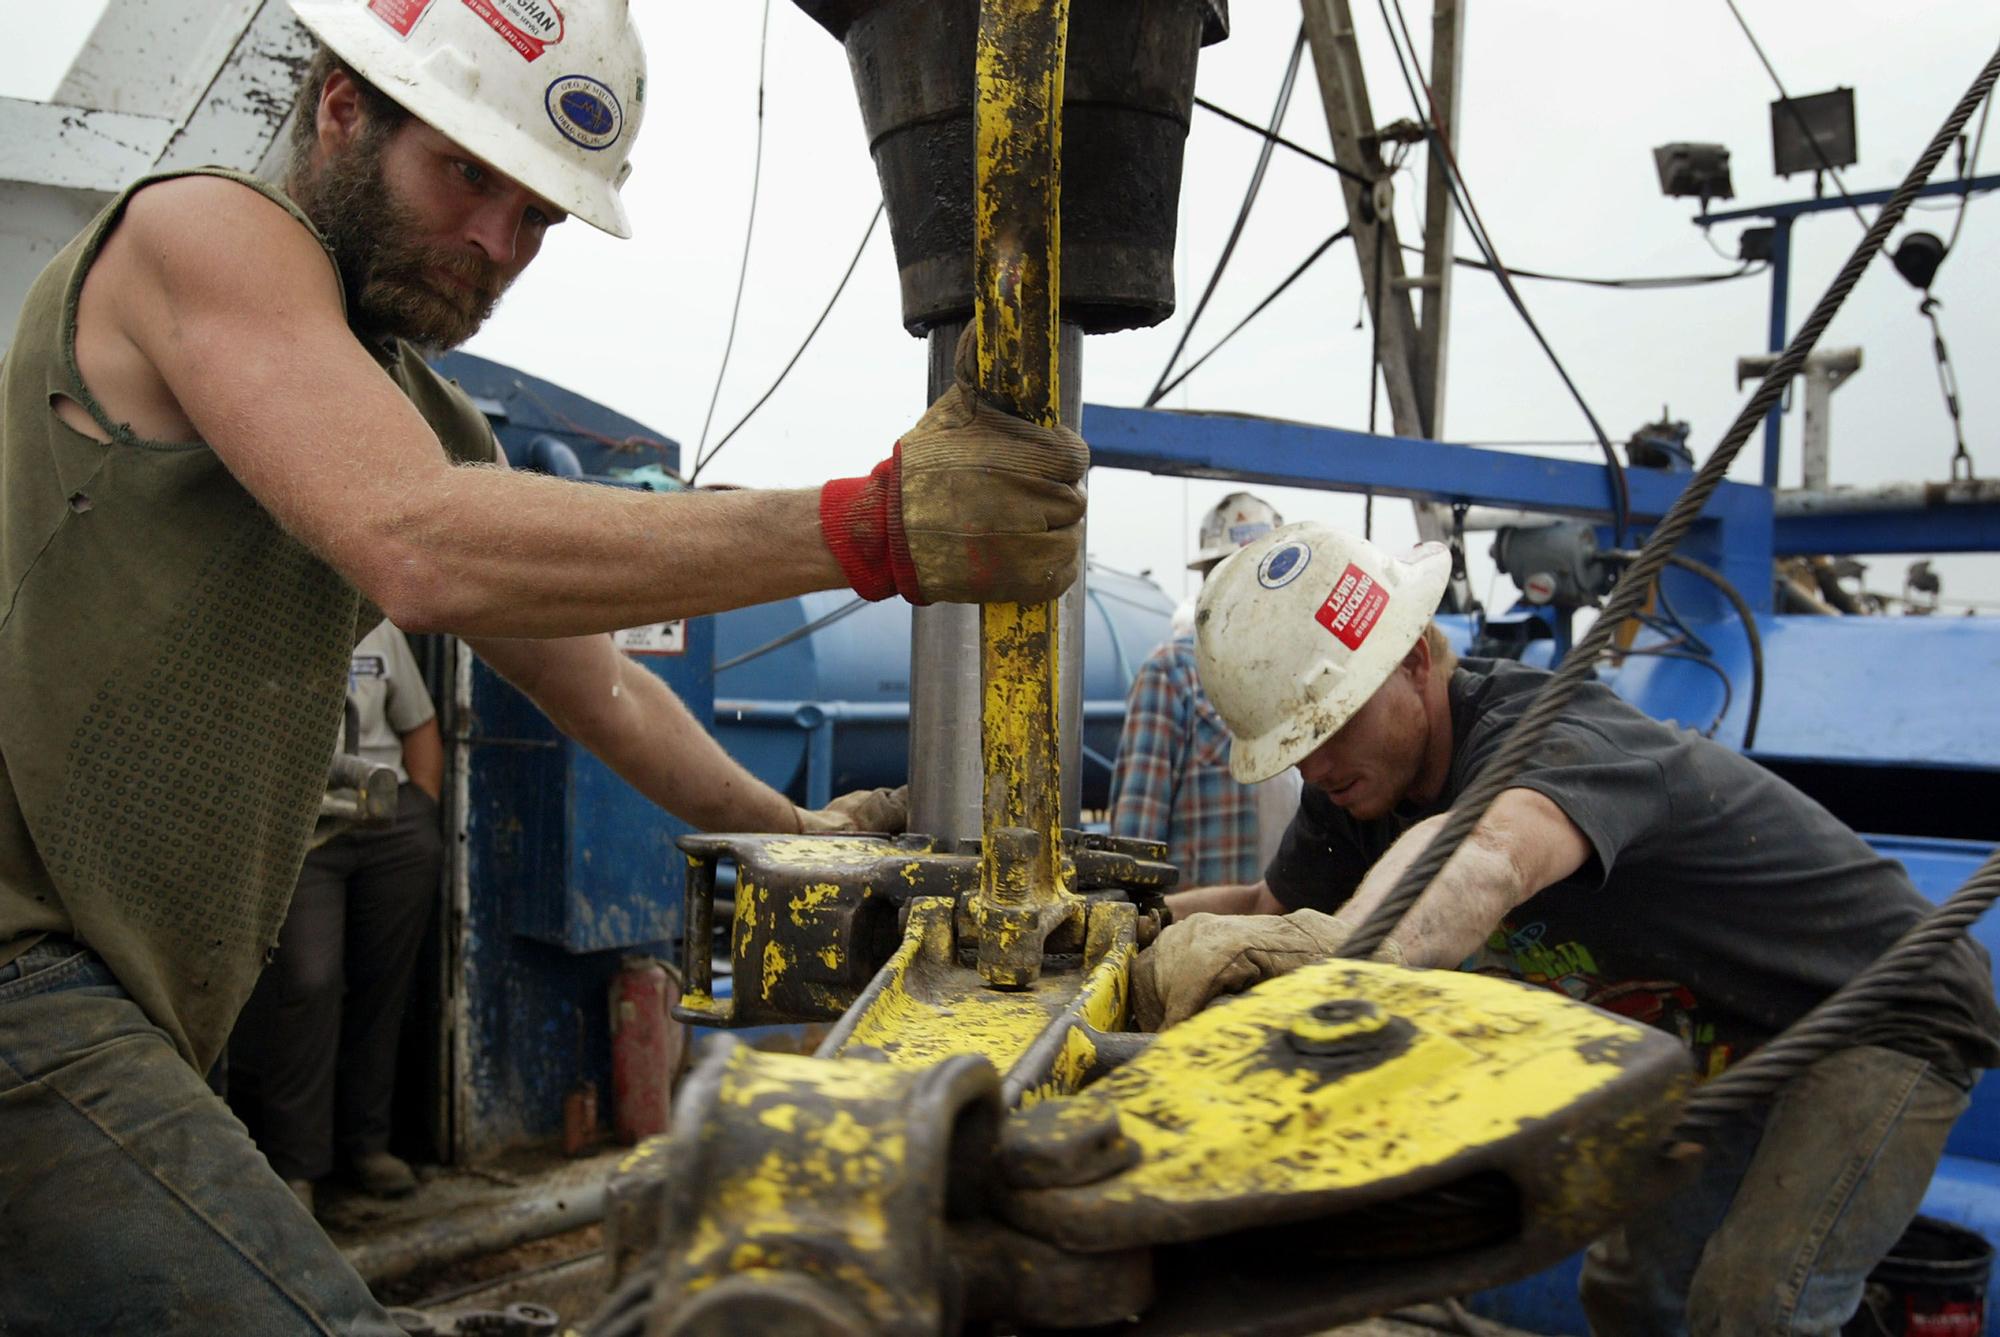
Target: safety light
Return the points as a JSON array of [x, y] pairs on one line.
[[1699, 170], [1797, 124]]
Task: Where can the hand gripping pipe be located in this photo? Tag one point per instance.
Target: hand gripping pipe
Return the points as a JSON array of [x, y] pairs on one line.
[[1728, 1091], [1017, 175]]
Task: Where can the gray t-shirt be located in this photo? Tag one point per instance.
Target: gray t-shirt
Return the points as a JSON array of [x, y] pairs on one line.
[[386, 691], [1720, 903]]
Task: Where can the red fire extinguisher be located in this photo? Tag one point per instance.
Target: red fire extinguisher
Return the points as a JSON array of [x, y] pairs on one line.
[[646, 1047]]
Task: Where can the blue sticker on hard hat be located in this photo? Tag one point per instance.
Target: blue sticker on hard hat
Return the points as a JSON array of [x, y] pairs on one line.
[[1282, 565], [585, 111], [1244, 534]]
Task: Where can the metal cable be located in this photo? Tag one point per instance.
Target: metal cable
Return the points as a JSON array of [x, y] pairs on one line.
[[749, 230], [1461, 198], [811, 334], [1827, 1027], [1553, 700], [1272, 136], [1297, 273], [1285, 87]]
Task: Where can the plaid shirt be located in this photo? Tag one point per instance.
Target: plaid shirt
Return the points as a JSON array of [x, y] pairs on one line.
[[1172, 781]]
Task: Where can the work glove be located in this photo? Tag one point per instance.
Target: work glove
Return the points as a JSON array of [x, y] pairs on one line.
[[1198, 959], [973, 506], [876, 810]]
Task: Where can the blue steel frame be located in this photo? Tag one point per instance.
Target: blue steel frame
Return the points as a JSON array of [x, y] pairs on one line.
[[1295, 454], [1782, 217]]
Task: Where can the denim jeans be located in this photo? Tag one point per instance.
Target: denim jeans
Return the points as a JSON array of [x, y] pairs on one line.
[[1778, 1232], [131, 1200]]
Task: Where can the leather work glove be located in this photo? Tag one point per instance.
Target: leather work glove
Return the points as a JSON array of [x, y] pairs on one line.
[[974, 506], [874, 810], [1198, 959]]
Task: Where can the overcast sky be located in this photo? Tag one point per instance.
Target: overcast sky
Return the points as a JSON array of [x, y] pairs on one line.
[[1563, 102]]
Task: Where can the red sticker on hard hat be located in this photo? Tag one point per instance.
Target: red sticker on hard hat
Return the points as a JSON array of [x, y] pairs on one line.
[[529, 26], [400, 15], [1354, 607]]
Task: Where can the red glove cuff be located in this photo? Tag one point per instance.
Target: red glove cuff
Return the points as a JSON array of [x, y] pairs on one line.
[[862, 522]]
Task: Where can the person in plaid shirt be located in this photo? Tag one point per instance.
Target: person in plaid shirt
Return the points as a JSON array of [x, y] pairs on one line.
[[1172, 782]]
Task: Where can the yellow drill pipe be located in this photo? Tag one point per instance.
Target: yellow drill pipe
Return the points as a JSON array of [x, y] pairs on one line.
[[1016, 271]]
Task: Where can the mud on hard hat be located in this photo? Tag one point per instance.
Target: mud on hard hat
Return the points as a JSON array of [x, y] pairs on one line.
[[549, 92], [1295, 632], [1237, 519]]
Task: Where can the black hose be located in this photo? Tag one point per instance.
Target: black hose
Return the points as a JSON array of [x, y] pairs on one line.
[[1552, 703], [1750, 632]]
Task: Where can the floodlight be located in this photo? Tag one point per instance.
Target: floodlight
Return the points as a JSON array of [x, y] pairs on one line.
[[1824, 119], [1700, 170]]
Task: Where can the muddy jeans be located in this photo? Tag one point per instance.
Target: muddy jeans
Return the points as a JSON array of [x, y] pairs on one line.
[[1779, 1232], [131, 1200]]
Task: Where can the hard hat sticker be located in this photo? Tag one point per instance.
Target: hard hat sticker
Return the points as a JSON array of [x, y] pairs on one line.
[[1354, 607], [400, 15], [585, 111], [529, 26], [1248, 532], [1282, 565]]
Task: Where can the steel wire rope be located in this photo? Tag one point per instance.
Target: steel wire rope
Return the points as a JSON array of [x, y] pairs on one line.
[[1273, 137], [1256, 311], [853, 262], [798, 633], [1284, 102], [1554, 698], [1968, 168], [1461, 197], [1760, 1076], [749, 230], [1798, 117]]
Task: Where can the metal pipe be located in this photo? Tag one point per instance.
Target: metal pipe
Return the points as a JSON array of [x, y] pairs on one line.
[[1887, 497], [945, 776], [440, 1241]]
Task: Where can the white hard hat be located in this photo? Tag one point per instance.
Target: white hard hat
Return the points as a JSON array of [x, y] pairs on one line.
[[1296, 631], [550, 92], [1237, 519]]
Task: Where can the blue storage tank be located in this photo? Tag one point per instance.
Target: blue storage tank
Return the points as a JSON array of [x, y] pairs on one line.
[[813, 694]]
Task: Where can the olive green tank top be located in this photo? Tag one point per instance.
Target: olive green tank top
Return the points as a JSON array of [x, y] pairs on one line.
[[172, 667]]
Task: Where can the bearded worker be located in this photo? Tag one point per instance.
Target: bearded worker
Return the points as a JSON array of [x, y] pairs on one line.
[[222, 460], [1632, 864]]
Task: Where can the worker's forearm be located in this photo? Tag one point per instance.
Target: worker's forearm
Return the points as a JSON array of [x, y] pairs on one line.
[[1463, 905], [484, 552], [657, 747], [1248, 899], [423, 757]]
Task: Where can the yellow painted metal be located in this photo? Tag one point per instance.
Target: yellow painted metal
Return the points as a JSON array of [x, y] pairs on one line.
[[928, 1008], [1228, 1111], [1017, 171]]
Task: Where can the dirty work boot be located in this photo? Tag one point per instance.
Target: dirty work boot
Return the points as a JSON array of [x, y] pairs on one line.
[[384, 1176], [302, 1189]]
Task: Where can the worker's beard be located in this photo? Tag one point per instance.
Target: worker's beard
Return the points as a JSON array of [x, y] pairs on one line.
[[395, 287]]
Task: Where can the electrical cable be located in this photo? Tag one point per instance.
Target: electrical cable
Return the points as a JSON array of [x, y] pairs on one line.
[[749, 229], [1272, 136], [825, 311], [1667, 652], [1461, 196], [1968, 168], [1750, 632], [1256, 311], [1284, 102], [1552, 702], [1798, 117], [1646, 283]]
